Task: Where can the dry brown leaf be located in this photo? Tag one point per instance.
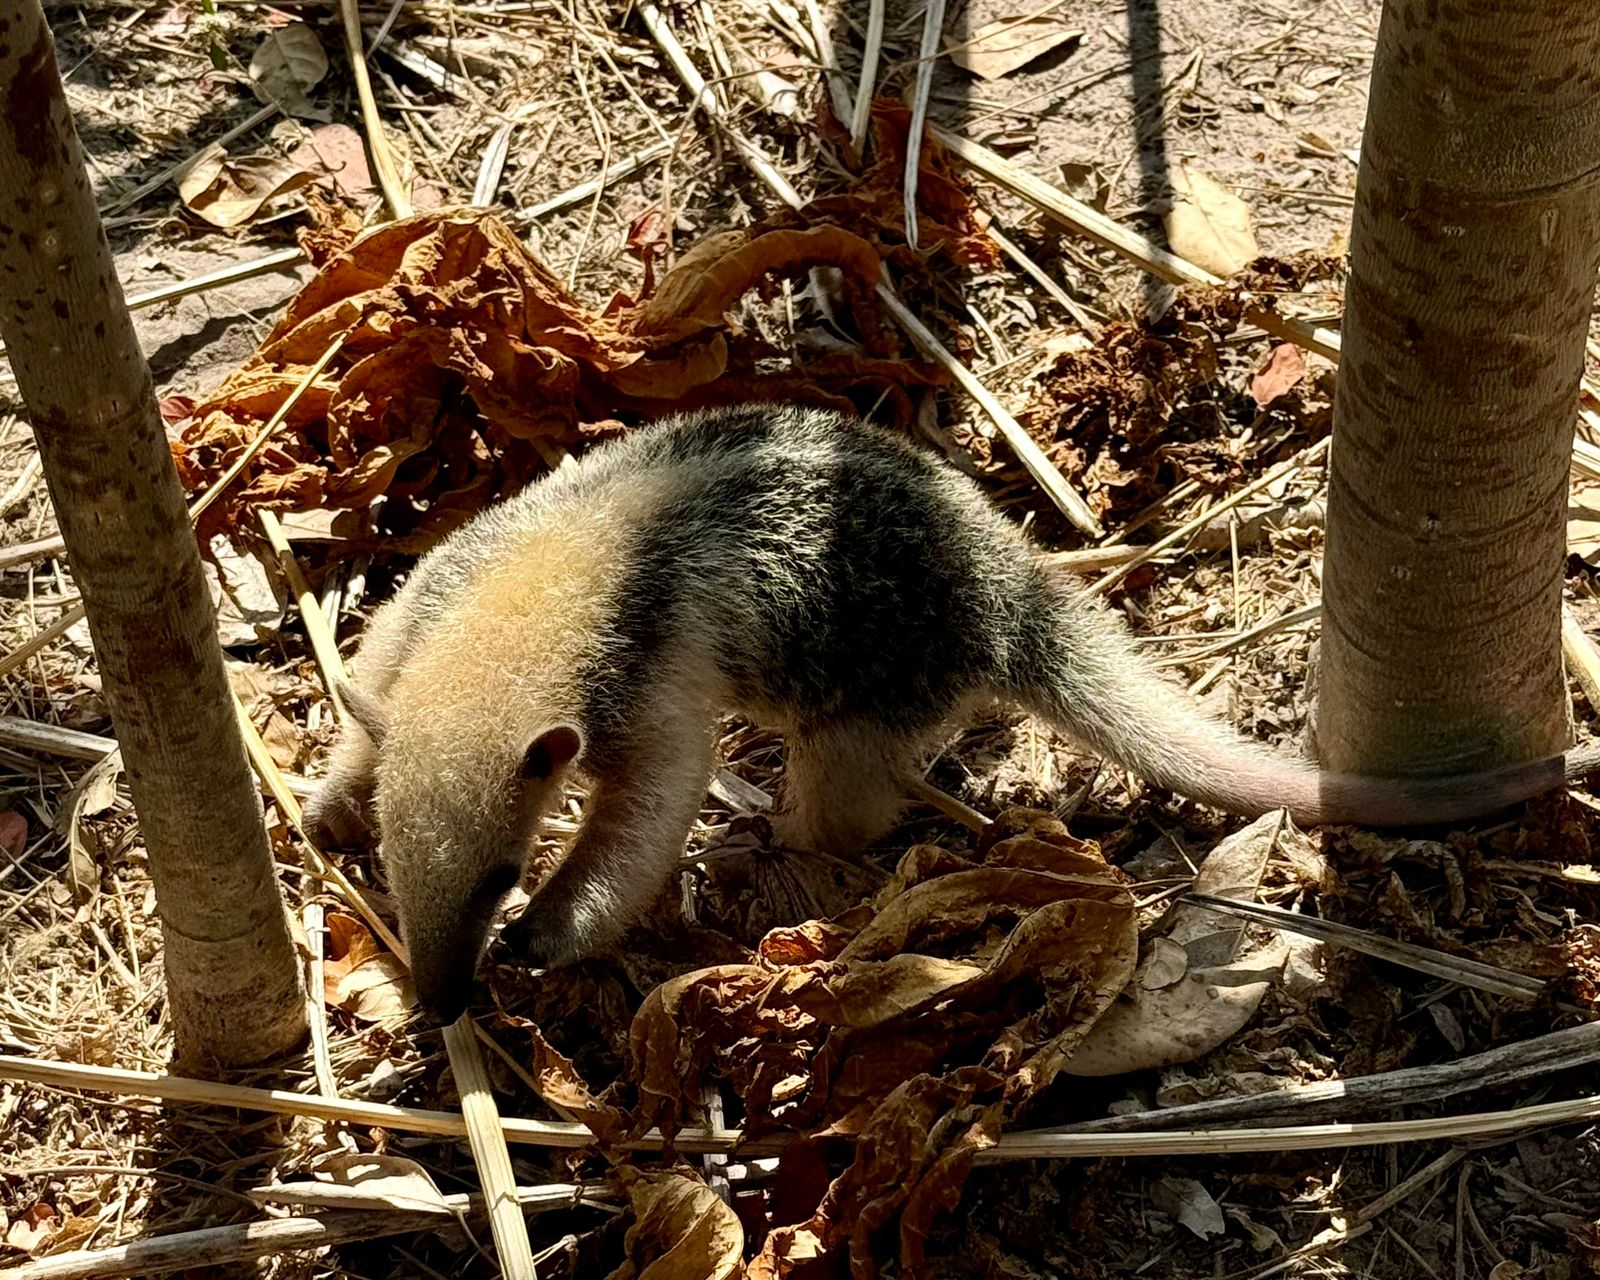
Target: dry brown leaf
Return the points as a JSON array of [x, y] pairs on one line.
[[339, 152], [360, 977], [13, 833], [91, 795], [1208, 224], [228, 192], [919, 1025], [998, 48], [34, 1229], [460, 350], [681, 1230], [1283, 369], [288, 61]]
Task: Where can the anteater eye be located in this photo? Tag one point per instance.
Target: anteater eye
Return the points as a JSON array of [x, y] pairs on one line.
[[498, 883]]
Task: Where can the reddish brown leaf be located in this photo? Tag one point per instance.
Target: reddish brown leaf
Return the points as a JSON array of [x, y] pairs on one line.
[[13, 833], [1283, 369]]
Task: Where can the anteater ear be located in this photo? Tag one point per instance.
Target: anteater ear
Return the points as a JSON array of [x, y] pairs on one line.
[[554, 749], [365, 710]]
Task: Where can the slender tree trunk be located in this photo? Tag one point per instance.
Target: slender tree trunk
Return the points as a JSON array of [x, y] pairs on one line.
[[1472, 270], [232, 976]]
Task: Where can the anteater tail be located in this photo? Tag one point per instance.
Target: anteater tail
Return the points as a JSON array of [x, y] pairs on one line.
[[1075, 666]]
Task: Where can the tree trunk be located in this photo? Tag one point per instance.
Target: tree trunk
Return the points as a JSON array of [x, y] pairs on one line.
[[233, 980], [1472, 269]]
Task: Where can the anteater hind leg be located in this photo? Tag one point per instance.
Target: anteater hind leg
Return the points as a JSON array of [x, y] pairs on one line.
[[842, 788], [635, 825]]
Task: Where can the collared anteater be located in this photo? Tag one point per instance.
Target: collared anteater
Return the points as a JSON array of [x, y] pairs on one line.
[[821, 577]]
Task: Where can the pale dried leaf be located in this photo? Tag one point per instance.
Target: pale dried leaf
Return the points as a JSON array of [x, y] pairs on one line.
[[33, 1229], [1233, 869], [998, 48], [91, 795], [1186, 1202], [1164, 963], [287, 62], [358, 1180], [339, 151], [1261, 1238], [1180, 1023], [1208, 224], [228, 192], [681, 1231]]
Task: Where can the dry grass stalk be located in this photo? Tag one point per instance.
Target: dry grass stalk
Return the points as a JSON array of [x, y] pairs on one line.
[[932, 26], [74, 744], [1436, 964], [248, 1241], [947, 804], [1022, 444], [42, 639], [324, 647], [1022, 1145], [1138, 249], [867, 86], [1301, 460], [624, 167], [1583, 659], [383, 165], [487, 1140]]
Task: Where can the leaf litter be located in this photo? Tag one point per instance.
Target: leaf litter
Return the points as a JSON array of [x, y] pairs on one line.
[[464, 362]]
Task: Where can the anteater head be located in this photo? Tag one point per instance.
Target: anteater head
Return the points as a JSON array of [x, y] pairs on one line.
[[459, 798]]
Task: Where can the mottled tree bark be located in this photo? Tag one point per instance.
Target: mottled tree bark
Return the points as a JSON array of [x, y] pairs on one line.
[[232, 975], [1473, 259]]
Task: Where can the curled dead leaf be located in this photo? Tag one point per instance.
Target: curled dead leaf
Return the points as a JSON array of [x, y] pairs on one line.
[[360, 977], [1208, 224], [463, 359], [998, 48], [229, 191], [289, 60], [681, 1230]]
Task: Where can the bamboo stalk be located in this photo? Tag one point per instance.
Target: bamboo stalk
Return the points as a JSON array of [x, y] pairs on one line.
[[487, 1139], [1023, 1145], [383, 166]]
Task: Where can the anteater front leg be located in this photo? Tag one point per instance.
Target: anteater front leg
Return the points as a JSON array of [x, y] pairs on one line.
[[635, 826]]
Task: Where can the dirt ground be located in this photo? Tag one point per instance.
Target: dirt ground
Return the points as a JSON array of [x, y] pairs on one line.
[[1267, 99]]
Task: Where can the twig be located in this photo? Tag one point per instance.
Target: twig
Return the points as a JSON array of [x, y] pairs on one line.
[[324, 647], [1038, 275], [704, 99], [261, 266], [1130, 244], [259, 441], [838, 90], [867, 86], [247, 1241], [618, 170], [1029, 453], [394, 194], [322, 1063], [28, 553], [19, 488], [1582, 658], [1025, 1145], [488, 1142], [947, 804], [73, 744], [1436, 964], [492, 166], [63, 624], [171, 171], [1502, 1065], [1032, 457], [1243, 639], [1302, 459], [932, 25]]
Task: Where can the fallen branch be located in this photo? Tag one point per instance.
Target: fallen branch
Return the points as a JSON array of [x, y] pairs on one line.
[[248, 1241], [1560, 1050], [1025, 1145]]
